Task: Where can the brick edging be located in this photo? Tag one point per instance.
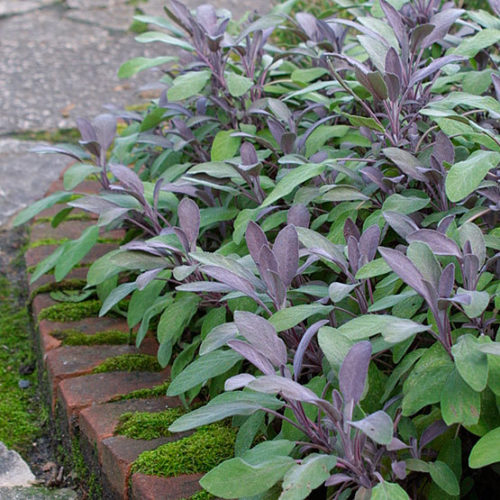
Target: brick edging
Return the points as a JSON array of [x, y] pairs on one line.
[[81, 403]]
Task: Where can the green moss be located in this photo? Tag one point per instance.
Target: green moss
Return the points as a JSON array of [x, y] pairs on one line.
[[71, 135], [71, 217], [198, 453], [53, 241], [78, 465], [69, 311], [153, 392], [146, 425], [129, 363], [108, 337], [70, 284], [18, 407], [202, 495]]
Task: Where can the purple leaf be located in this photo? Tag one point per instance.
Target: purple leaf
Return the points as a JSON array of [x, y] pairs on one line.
[[336, 479], [405, 269], [286, 251], [253, 355], [105, 130], [378, 426], [393, 63], [350, 229], [368, 243], [396, 445], [183, 239], [261, 334], [443, 148], [354, 370], [303, 345], [431, 68], [432, 432], [442, 21], [396, 23], [439, 243], [147, 277], [299, 215], [446, 281], [238, 381], [353, 253], [189, 220], [255, 239], [86, 129], [59, 150], [445, 223], [402, 224], [231, 279], [128, 178], [308, 23], [206, 16], [399, 469], [248, 154], [272, 384]]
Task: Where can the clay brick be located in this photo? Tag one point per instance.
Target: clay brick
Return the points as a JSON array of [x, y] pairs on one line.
[[146, 487], [69, 229], [34, 255], [98, 422], [77, 273], [41, 302], [73, 361], [80, 392], [116, 456], [87, 187], [88, 326]]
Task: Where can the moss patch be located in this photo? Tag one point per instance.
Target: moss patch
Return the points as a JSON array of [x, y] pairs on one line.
[[153, 392], [108, 337], [53, 241], [146, 425], [69, 284], [70, 217], [129, 363], [19, 410], [71, 135], [201, 495], [68, 311], [198, 453]]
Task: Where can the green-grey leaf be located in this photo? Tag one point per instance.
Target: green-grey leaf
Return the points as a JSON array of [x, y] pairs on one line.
[[427, 379], [292, 316], [291, 180], [300, 480], [470, 46], [465, 176], [188, 85], [444, 477], [77, 173], [486, 451], [224, 146], [471, 363], [238, 85], [389, 491], [236, 478], [117, 294], [47, 202], [137, 64], [75, 251], [377, 426], [460, 404], [374, 268], [203, 368], [479, 302]]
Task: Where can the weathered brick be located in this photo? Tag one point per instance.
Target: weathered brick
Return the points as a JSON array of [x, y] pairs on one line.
[[79, 273], [116, 456], [88, 326], [146, 487], [87, 187], [73, 361], [70, 229], [41, 302], [98, 422], [80, 392], [35, 255]]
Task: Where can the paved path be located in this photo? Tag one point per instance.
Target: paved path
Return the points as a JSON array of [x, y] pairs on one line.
[[58, 61]]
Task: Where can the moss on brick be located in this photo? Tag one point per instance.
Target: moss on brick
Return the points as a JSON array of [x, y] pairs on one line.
[[147, 425], [69, 284], [53, 241], [153, 392], [108, 337], [70, 217], [201, 495], [198, 453], [129, 363], [69, 311]]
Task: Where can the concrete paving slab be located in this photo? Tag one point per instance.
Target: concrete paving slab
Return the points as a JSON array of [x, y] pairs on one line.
[[14, 471], [36, 493], [24, 176]]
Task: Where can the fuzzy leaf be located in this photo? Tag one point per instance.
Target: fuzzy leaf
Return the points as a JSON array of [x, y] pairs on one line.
[[378, 426], [486, 451], [238, 85], [354, 370], [188, 85]]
